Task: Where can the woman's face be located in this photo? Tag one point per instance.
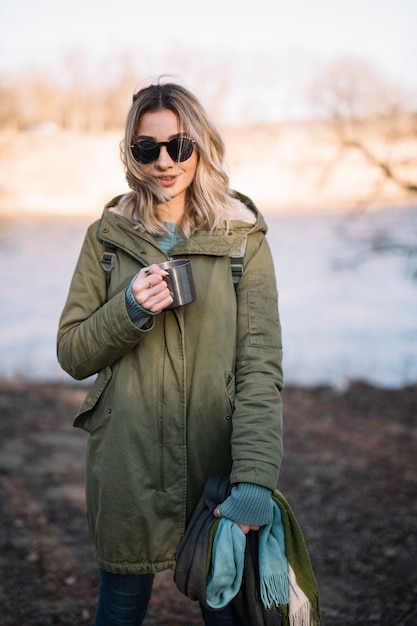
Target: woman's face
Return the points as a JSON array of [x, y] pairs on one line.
[[174, 177]]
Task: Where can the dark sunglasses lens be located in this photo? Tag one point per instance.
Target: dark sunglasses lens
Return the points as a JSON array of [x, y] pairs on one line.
[[145, 152], [180, 149]]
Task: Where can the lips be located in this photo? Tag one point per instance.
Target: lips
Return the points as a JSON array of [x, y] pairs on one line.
[[167, 181]]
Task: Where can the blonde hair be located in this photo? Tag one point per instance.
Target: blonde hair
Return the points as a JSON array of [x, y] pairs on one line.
[[208, 203]]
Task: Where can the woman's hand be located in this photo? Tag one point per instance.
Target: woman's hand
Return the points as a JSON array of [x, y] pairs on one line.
[[151, 290], [245, 528]]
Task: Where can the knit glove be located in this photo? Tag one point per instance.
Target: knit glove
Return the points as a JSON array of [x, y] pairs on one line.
[[248, 504]]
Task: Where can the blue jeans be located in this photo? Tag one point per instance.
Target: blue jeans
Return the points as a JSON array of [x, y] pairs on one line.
[[124, 600]]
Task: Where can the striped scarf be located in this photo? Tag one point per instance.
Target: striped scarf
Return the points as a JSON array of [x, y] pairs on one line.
[[267, 574], [286, 577]]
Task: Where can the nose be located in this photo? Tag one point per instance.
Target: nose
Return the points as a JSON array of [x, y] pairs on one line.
[[164, 160]]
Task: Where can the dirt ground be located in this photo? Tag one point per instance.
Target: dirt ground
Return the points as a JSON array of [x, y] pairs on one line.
[[349, 472]]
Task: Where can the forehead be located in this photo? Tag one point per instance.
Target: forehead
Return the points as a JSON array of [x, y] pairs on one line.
[[160, 124]]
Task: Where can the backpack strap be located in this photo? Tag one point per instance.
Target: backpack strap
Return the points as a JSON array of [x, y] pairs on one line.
[[237, 254], [108, 261], [236, 266]]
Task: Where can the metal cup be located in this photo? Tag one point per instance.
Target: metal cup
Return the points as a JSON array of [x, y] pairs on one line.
[[180, 281]]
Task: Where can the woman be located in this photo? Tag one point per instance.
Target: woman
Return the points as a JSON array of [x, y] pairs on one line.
[[180, 393]]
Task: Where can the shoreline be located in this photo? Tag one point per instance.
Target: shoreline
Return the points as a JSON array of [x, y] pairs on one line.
[[268, 210], [15, 382], [74, 174]]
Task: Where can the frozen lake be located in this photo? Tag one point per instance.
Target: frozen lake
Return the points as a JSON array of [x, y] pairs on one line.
[[346, 313]]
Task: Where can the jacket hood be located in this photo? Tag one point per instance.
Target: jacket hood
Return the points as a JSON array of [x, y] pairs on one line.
[[244, 220]]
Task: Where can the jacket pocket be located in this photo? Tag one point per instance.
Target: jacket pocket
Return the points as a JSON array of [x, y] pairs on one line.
[[264, 326], [84, 416]]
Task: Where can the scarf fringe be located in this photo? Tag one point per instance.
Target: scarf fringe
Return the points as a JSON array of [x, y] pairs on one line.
[[302, 615], [300, 610], [274, 590], [306, 615]]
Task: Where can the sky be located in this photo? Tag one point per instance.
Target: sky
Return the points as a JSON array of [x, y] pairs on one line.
[[271, 44]]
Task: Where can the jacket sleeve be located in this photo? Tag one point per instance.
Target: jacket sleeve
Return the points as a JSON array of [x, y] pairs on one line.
[[92, 334], [257, 419]]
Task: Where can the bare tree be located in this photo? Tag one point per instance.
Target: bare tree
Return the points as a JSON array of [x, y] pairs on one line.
[[371, 115]]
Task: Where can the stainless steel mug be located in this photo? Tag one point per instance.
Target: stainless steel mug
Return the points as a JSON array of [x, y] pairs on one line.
[[180, 281]]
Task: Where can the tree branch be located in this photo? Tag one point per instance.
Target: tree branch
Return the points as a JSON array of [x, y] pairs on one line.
[[385, 168]]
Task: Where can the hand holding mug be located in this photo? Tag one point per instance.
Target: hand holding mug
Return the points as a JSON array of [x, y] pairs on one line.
[[151, 289], [177, 288]]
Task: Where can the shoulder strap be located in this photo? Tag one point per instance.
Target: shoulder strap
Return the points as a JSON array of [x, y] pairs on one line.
[[236, 266], [108, 261], [237, 254]]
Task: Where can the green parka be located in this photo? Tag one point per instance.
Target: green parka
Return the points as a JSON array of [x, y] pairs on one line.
[[195, 392]]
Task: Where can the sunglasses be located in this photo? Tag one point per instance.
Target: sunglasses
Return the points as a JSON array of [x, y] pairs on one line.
[[146, 152]]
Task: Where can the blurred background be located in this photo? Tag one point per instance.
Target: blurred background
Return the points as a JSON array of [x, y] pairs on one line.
[[317, 103]]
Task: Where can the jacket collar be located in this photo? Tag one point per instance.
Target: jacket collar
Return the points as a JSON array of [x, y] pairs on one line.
[[121, 232]]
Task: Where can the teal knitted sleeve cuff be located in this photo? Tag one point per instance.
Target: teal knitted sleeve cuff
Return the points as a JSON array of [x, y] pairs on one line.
[[248, 504], [138, 315]]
